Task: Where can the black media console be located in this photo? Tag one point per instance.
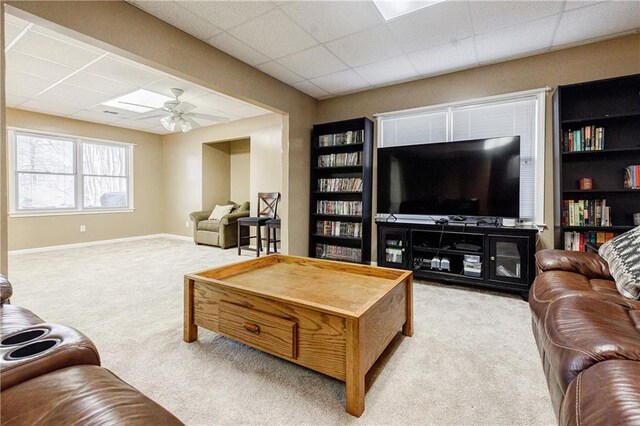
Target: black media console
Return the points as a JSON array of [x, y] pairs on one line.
[[495, 257]]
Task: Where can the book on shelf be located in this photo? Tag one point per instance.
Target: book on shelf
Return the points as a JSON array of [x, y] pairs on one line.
[[346, 208], [575, 241], [586, 213], [339, 160], [588, 138], [346, 138], [339, 229], [340, 185], [327, 251], [632, 177]]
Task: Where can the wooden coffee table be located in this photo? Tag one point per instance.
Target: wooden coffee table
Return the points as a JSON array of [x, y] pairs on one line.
[[333, 317]]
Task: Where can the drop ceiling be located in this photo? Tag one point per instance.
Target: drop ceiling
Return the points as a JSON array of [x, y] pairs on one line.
[[329, 48], [54, 74]]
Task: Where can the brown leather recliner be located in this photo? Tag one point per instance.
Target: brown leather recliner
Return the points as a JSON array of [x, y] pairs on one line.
[[51, 374], [589, 339]]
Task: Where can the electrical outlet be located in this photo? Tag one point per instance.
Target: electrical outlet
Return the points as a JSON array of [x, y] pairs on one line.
[[83, 228], [186, 224]]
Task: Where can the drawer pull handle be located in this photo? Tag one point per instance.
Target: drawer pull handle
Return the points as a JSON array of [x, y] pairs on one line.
[[253, 328]]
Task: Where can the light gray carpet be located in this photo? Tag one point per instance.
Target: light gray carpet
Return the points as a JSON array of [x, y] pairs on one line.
[[472, 359]]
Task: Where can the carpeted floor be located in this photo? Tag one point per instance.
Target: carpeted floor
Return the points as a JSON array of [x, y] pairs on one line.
[[472, 359]]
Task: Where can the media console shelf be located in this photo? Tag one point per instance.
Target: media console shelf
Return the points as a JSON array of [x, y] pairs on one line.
[[505, 254]]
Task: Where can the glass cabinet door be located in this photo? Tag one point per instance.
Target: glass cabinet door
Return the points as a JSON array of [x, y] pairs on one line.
[[394, 245], [508, 259]]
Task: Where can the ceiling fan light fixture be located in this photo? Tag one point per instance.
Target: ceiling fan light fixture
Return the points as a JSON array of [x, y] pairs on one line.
[[168, 123], [185, 126]]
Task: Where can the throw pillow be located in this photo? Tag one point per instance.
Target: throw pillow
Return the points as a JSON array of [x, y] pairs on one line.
[[220, 211], [622, 253], [234, 204], [244, 207]]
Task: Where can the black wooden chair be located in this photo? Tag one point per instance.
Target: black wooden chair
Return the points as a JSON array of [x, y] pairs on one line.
[[273, 225], [267, 210]]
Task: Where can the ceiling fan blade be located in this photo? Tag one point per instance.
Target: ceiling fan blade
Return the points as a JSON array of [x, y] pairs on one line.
[[193, 122], [185, 107], [209, 117], [146, 117]]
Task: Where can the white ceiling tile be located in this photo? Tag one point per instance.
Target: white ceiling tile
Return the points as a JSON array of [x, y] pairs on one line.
[[516, 41], [387, 71], [68, 40], [54, 50], [228, 14], [601, 20], [31, 81], [217, 102], [14, 20], [368, 46], [36, 66], [11, 31], [248, 111], [165, 85], [69, 95], [311, 89], [432, 26], [94, 116], [274, 34], [95, 82], [493, 15], [13, 101], [444, 58], [174, 14], [340, 82], [276, 70], [313, 62], [328, 20], [574, 4], [134, 125], [116, 113], [234, 47], [20, 90], [48, 108], [115, 69]]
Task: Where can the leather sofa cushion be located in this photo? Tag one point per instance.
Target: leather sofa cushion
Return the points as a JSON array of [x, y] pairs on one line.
[[582, 331], [81, 395], [588, 264], [74, 348], [606, 394], [6, 290], [14, 318], [209, 225]]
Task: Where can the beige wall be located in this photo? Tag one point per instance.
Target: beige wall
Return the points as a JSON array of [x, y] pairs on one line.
[[216, 173], [4, 266], [121, 28], [183, 161], [590, 62], [240, 158], [41, 231]]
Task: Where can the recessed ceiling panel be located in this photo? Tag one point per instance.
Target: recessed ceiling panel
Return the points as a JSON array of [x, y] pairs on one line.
[[340, 82], [314, 62], [394, 69], [445, 58]]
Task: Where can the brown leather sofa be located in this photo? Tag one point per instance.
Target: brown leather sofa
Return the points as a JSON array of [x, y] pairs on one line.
[[589, 340], [50, 374]]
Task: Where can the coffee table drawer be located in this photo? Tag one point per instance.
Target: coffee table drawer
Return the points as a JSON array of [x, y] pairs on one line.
[[258, 329]]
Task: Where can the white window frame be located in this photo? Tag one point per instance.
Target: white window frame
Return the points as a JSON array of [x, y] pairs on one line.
[[77, 174], [539, 95]]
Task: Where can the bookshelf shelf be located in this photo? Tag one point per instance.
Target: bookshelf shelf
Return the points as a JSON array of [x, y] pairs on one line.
[[356, 176], [614, 105]]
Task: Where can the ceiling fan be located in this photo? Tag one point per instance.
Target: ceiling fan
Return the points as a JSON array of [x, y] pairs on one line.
[[177, 114]]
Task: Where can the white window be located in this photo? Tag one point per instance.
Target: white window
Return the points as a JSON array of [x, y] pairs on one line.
[[64, 174], [516, 114]]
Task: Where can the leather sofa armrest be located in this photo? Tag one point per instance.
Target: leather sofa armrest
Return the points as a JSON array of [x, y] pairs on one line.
[[6, 290], [590, 265], [232, 218], [201, 215]]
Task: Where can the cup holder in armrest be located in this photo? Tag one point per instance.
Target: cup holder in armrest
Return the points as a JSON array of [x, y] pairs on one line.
[[32, 349], [23, 337]]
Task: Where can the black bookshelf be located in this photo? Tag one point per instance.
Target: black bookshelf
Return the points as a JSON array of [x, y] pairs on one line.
[[352, 169], [613, 104]]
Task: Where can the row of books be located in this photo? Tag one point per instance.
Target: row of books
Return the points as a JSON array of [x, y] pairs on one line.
[[347, 208], [340, 185], [326, 251], [343, 159], [586, 213], [575, 241], [589, 138], [632, 177], [339, 229], [346, 138]]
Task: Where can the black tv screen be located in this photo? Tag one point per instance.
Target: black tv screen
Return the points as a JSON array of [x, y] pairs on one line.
[[472, 178]]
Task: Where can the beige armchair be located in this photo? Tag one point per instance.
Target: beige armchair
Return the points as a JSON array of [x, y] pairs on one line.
[[222, 233]]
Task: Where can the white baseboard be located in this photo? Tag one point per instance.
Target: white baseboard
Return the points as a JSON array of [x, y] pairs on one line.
[[97, 243], [374, 263]]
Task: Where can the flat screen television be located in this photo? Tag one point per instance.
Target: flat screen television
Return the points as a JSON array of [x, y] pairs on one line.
[[471, 178]]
